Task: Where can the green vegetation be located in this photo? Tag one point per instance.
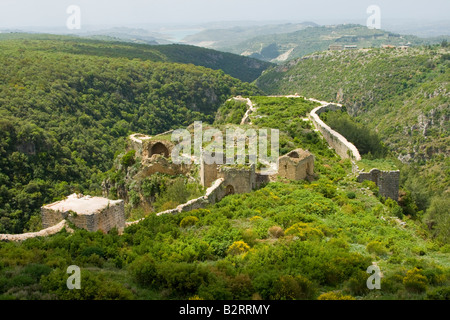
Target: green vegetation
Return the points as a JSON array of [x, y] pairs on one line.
[[231, 112], [381, 164], [288, 240], [65, 116], [66, 109], [243, 68], [400, 94], [289, 115], [223, 253], [367, 141]]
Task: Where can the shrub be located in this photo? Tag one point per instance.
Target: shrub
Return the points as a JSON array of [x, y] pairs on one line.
[[439, 294], [371, 185], [88, 251], [377, 248], [325, 188], [238, 247], [339, 243], [241, 287], [293, 288], [276, 232], [143, 270], [93, 287], [182, 278], [255, 218], [334, 296], [264, 283], [304, 231], [188, 221], [415, 281], [357, 284], [395, 209], [249, 237], [128, 158], [36, 271], [351, 195]]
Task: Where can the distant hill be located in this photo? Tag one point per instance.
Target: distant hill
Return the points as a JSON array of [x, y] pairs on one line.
[[133, 35], [403, 94], [280, 47], [220, 38], [242, 68]]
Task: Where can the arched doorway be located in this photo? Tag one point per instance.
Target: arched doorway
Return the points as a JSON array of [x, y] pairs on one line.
[[229, 190], [159, 148]]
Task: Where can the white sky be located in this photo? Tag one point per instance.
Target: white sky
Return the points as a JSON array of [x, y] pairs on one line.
[[43, 13]]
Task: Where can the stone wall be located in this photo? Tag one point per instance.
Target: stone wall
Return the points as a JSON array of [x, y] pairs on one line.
[[162, 165], [135, 142], [42, 233], [338, 142], [90, 213], [208, 173], [51, 217], [104, 220], [238, 179], [151, 147], [296, 165], [387, 181]]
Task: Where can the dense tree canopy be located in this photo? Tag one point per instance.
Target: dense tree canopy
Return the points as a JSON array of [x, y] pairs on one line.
[[64, 115]]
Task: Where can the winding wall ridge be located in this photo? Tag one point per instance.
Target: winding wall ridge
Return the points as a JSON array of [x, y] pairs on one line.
[[338, 142]]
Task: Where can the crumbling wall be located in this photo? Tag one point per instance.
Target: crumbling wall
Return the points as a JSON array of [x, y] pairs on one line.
[[242, 179], [51, 217], [151, 147], [296, 165], [135, 142], [162, 165], [387, 181], [104, 219], [208, 173], [213, 194], [338, 142], [42, 233]]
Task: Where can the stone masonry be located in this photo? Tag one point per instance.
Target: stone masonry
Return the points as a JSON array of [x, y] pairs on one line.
[[387, 181], [90, 213], [296, 165], [338, 142]]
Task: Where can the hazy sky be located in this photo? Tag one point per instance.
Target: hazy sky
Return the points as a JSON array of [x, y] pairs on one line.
[[17, 13]]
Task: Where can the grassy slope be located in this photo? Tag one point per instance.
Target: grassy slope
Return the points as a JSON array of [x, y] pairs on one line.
[[344, 228], [404, 95]]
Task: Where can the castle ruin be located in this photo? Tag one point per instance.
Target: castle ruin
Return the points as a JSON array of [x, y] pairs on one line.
[[386, 181], [296, 165], [90, 213]]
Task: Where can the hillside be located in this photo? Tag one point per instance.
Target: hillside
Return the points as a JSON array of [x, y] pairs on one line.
[[403, 95], [243, 68], [219, 38], [289, 240], [67, 104], [286, 46]]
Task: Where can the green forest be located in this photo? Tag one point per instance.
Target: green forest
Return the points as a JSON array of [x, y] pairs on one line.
[[67, 106], [64, 116]]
